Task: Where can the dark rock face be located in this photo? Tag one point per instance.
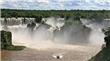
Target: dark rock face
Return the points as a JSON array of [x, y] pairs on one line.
[[6, 41], [31, 26], [104, 54], [107, 38]]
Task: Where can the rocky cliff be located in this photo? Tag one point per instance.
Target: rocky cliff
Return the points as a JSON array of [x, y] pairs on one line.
[[104, 54]]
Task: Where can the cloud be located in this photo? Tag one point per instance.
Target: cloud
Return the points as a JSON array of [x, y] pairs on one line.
[[43, 1], [56, 4]]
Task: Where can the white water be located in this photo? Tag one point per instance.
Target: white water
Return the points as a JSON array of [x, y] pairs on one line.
[[42, 37]]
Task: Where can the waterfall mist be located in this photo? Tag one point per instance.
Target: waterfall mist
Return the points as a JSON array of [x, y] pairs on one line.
[[55, 31], [73, 32], [96, 25]]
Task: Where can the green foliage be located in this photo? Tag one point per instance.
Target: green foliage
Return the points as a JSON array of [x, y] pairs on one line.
[[103, 55], [6, 41], [38, 19], [62, 13], [14, 48]]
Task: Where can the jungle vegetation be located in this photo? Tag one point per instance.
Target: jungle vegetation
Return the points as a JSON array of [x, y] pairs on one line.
[[62, 13]]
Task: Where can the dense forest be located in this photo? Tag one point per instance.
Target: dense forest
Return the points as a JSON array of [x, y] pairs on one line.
[[62, 13]]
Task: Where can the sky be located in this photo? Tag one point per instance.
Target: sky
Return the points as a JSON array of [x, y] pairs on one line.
[[56, 4]]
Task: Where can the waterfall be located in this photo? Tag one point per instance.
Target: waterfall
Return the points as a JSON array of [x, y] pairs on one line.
[[56, 30], [96, 35]]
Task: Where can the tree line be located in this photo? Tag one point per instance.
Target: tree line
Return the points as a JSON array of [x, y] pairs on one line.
[[62, 13]]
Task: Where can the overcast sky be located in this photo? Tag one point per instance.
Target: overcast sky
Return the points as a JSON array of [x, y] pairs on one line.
[[56, 4]]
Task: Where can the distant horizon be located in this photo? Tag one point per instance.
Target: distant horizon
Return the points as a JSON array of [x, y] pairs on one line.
[[56, 4], [57, 9]]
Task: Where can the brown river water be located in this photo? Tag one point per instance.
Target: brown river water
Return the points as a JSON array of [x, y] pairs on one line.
[[69, 53]]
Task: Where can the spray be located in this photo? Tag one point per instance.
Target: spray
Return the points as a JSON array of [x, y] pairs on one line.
[[55, 31]]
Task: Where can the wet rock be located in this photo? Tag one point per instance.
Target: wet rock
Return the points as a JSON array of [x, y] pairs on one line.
[[107, 38], [31, 26]]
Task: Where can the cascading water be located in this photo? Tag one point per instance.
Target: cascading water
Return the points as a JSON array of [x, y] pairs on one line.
[[67, 39], [96, 36], [56, 30], [73, 32]]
